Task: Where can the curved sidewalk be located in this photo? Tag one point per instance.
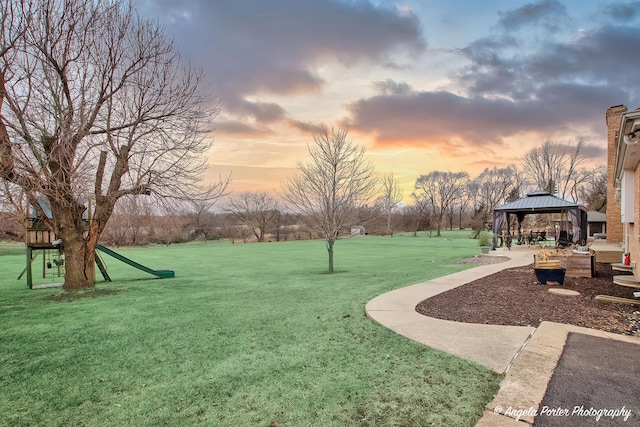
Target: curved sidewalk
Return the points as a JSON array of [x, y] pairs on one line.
[[527, 356], [492, 346]]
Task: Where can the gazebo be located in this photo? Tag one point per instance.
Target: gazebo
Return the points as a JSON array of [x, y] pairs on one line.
[[540, 202]]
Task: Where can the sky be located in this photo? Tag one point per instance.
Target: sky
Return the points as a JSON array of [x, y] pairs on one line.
[[424, 85]]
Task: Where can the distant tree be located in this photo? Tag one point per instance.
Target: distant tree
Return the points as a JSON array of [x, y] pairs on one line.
[[520, 184], [199, 208], [495, 186], [479, 220], [284, 226], [390, 199], [490, 189], [331, 186], [594, 192], [441, 190], [255, 210], [230, 229], [13, 206], [95, 105], [558, 168], [169, 226], [419, 211], [276, 226], [130, 222], [459, 207]]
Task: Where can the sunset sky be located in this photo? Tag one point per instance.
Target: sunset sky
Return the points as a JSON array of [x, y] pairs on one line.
[[425, 85]]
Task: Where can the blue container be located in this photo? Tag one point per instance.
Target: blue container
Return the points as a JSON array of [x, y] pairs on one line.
[[545, 275]]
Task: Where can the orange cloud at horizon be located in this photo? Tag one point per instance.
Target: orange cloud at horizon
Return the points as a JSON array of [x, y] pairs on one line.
[[262, 165]]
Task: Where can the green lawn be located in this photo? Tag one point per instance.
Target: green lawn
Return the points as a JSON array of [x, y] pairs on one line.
[[245, 335]]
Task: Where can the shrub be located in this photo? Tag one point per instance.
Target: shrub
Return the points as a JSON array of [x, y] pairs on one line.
[[484, 238]]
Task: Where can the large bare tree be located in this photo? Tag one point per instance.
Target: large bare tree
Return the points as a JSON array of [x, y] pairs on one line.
[[335, 182], [95, 106]]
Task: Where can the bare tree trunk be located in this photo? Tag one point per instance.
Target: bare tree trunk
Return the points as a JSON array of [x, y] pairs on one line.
[[80, 266], [330, 243]]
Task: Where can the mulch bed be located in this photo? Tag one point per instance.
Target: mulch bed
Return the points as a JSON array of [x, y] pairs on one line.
[[514, 297]]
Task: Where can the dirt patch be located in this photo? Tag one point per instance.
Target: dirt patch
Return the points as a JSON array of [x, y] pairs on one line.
[[514, 297]]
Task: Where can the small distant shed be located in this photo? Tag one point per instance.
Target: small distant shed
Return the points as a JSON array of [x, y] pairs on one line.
[[357, 230], [540, 202], [596, 222]]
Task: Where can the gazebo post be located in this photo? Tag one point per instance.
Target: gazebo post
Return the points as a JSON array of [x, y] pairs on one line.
[[520, 216], [498, 222], [494, 239]]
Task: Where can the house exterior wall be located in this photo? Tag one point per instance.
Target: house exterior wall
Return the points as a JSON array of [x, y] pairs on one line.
[[634, 228], [615, 228]]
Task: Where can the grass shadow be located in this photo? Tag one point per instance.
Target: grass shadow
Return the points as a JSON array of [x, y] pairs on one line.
[[70, 296]]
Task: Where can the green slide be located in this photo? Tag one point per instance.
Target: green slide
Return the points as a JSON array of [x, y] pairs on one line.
[[163, 274]]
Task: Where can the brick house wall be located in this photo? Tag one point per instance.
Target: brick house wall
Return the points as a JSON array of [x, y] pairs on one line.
[[615, 229]]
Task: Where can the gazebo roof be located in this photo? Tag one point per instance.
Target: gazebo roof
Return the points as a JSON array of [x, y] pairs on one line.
[[538, 202]]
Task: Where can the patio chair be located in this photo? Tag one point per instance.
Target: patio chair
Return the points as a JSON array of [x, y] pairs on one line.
[[563, 239]]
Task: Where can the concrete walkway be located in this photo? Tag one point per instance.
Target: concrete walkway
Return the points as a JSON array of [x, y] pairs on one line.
[[492, 346], [526, 356]]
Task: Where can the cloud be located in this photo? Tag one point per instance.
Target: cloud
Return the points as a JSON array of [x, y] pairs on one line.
[[519, 68], [274, 47], [606, 55], [391, 87], [623, 12], [511, 85], [306, 127], [592, 151], [549, 14], [441, 119], [263, 112], [434, 118], [237, 128]]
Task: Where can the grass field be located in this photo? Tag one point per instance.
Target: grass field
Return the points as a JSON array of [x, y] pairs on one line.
[[245, 335]]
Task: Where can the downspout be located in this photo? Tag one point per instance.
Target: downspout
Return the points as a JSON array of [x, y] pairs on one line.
[[626, 240]]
